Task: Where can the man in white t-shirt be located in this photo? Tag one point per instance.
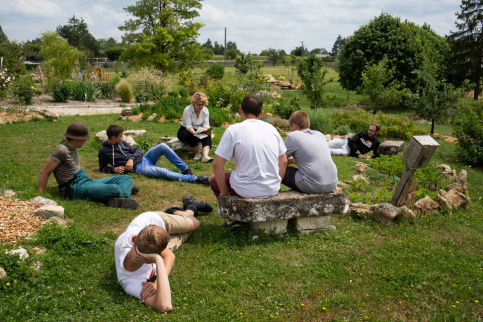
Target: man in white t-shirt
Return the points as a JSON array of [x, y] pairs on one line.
[[141, 254], [258, 152]]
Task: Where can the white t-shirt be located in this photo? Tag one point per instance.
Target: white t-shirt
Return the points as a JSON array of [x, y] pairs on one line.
[[190, 119], [131, 282], [255, 147]]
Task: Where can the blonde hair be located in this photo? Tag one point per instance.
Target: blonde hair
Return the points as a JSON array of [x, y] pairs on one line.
[[152, 239], [199, 98], [301, 119]]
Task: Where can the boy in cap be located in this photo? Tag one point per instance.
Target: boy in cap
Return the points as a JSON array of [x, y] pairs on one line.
[[126, 158], [72, 180]]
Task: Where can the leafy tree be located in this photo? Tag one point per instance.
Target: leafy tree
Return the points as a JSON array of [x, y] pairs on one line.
[[232, 45], [379, 87], [244, 63], [3, 36], [216, 71], [275, 56], [77, 35], [106, 44], [312, 72], [319, 51], [11, 52], [434, 96], [467, 44], [59, 56], [113, 54], [208, 44], [231, 53], [218, 49], [298, 51], [406, 45], [162, 33], [337, 47], [32, 49]]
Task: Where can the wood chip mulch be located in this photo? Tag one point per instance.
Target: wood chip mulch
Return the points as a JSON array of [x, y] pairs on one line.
[[16, 117], [445, 137], [16, 219]]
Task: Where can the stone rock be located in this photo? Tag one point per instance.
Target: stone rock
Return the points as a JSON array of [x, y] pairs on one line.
[[341, 184], [446, 169], [425, 205], [391, 147], [274, 226], [359, 177], [49, 211], [3, 274], [23, 254], [461, 184], [44, 201], [151, 117], [59, 221], [134, 132], [362, 167], [360, 208], [10, 193], [442, 198], [307, 225], [101, 135], [126, 112], [50, 114], [285, 205], [457, 198], [129, 139], [386, 212]]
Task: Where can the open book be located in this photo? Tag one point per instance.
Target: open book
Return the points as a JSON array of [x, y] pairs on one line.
[[201, 132]]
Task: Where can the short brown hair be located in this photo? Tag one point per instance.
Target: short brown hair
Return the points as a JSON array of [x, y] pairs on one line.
[[378, 127], [114, 130], [252, 104], [301, 119], [199, 98], [152, 239]]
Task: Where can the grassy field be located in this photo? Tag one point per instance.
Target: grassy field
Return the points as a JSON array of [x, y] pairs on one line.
[[427, 269]]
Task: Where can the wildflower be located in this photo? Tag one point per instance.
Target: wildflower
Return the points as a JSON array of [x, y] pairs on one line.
[[8, 284], [302, 304], [476, 301]]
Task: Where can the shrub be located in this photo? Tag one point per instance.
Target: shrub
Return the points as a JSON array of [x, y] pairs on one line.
[[285, 108], [468, 129], [59, 90], [85, 91], [169, 106], [216, 71], [342, 129], [179, 91], [218, 93], [321, 121], [219, 116], [124, 90], [24, 89], [107, 89]]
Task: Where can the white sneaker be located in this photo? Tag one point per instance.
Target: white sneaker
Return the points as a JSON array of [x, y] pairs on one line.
[[197, 156], [207, 159]]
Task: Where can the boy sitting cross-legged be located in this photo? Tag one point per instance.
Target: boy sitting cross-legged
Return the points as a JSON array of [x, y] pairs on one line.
[[143, 262], [123, 158]]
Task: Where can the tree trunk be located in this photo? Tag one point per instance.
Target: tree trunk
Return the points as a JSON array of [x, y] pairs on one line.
[[432, 126]]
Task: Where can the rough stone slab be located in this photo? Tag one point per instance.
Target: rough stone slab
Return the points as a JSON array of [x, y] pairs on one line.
[[3, 274], [44, 201], [275, 226], [103, 136], [10, 193], [307, 225], [285, 205], [49, 211], [391, 147], [22, 252]]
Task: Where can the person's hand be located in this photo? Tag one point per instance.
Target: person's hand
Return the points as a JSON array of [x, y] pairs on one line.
[[139, 257], [119, 169], [361, 156], [149, 289], [129, 165], [368, 157], [291, 160]]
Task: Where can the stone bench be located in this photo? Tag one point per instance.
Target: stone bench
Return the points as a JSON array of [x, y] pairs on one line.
[[310, 211], [391, 147]]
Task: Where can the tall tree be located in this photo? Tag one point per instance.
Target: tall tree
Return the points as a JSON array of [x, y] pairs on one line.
[[3, 36], [299, 50], [275, 56], [218, 49], [336, 48], [467, 44], [406, 45], [312, 72], [77, 35], [59, 56], [163, 34]]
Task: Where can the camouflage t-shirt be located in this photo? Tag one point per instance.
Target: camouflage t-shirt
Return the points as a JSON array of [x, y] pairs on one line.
[[68, 160]]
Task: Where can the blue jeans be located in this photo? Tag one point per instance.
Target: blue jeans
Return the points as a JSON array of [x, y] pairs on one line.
[[83, 187], [148, 166]]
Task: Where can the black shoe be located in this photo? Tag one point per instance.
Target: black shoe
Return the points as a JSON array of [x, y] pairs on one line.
[[230, 223], [134, 190], [187, 171], [202, 180], [171, 210], [202, 206], [126, 203]]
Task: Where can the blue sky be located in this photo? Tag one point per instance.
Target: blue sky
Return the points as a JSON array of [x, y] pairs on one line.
[[253, 25]]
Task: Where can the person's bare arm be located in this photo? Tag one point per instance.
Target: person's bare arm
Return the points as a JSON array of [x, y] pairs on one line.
[[282, 165], [219, 170], [168, 258], [50, 166]]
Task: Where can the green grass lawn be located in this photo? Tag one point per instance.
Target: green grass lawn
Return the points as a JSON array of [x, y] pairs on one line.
[[427, 269]]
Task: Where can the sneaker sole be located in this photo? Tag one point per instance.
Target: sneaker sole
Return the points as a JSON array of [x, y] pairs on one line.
[[126, 203]]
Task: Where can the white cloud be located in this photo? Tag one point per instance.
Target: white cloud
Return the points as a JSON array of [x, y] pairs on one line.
[[32, 8]]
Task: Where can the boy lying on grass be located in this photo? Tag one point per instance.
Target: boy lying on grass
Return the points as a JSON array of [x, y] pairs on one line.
[[143, 262]]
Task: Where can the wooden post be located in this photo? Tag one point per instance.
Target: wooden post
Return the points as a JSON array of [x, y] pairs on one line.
[[419, 152]]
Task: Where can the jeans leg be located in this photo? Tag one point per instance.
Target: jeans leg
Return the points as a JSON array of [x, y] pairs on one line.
[[103, 189], [151, 170]]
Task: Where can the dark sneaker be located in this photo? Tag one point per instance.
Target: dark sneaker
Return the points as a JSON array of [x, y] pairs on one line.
[[134, 190], [202, 206], [230, 223], [126, 203], [202, 180], [187, 171], [171, 210]]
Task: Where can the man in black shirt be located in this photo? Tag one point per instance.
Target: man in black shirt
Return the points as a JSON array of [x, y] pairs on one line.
[[362, 143]]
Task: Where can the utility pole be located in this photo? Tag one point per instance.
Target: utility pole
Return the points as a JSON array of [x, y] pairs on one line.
[[302, 49], [225, 43]]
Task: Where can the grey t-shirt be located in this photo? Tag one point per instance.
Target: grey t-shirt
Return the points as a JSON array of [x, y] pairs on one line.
[[317, 172], [68, 160]]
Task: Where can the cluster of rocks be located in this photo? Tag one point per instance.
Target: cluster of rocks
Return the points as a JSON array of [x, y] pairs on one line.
[[128, 135], [282, 84], [447, 199]]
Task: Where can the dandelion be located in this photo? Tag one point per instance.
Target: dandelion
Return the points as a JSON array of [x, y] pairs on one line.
[[476, 301], [457, 302], [302, 304], [453, 305], [8, 284], [241, 313], [323, 308]]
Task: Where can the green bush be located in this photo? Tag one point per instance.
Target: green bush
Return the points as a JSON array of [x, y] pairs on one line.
[[59, 90], [179, 91], [169, 106], [219, 116], [285, 108], [468, 129], [24, 89], [342, 129], [107, 89], [218, 93], [124, 90], [321, 121], [83, 90], [216, 71], [149, 84]]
